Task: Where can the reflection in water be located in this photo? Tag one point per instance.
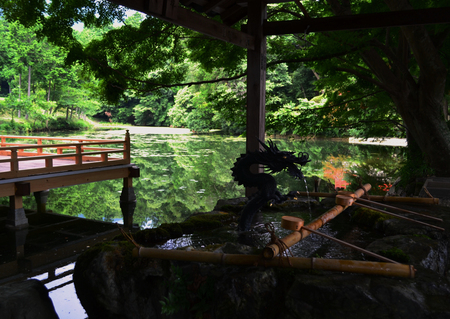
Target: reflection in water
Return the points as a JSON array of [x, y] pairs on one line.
[[183, 174], [62, 292], [334, 169]]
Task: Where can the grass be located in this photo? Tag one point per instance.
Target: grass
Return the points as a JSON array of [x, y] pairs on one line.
[[16, 125]]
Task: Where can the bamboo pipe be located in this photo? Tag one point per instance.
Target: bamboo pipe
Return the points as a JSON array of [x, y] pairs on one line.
[[398, 216], [273, 250], [399, 209], [393, 199], [340, 265], [352, 246]]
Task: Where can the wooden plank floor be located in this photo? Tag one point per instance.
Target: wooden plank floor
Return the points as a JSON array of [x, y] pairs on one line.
[[33, 164]]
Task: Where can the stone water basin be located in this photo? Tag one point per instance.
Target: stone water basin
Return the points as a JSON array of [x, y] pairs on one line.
[[307, 209], [181, 289]]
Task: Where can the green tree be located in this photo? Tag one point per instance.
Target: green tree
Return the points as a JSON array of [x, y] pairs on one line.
[[153, 108], [381, 78], [48, 78]]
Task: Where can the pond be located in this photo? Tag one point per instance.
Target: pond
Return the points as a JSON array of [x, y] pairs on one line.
[[186, 173]]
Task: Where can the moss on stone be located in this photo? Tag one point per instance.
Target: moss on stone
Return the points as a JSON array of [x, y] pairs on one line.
[[166, 231], [203, 222], [232, 208], [151, 236], [366, 217], [87, 256], [422, 236], [396, 254], [174, 229]]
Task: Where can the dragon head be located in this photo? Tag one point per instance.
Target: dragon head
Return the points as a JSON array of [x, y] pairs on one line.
[[275, 160]]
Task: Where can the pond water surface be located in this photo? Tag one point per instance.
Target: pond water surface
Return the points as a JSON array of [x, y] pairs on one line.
[[181, 174], [185, 173]]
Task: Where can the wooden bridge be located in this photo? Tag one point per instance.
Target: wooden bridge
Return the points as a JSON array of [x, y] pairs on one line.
[[37, 164], [30, 240]]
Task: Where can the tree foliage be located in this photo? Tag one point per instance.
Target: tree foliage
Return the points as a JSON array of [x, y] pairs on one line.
[[390, 81], [377, 82]]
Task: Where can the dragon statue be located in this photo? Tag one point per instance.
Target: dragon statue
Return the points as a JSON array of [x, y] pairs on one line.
[[273, 161]]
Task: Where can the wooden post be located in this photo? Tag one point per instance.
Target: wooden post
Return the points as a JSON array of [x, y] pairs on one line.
[[256, 80], [16, 239], [41, 200], [16, 216], [126, 147], [14, 162], [79, 155], [39, 149], [48, 162], [128, 202]]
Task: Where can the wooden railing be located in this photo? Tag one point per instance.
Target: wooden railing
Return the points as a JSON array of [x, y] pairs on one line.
[[74, 154]]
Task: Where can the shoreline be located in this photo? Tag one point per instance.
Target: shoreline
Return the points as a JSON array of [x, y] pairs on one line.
[[379, 141]]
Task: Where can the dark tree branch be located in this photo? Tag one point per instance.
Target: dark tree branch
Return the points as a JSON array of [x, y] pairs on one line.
[[312, 59], [274, 12], [396, 61], [359, 123], [364, 77], [349, 101]]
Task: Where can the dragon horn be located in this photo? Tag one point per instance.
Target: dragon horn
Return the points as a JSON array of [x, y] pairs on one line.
[[264, 145]]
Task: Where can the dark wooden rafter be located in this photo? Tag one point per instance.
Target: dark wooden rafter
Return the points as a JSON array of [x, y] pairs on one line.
[[236, 17], [230, 12], [360, 21], [169, 10], [212, 5]]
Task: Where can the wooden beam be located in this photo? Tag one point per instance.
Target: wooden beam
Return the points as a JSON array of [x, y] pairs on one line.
[[47, 181], [212, 4], [235, 18], [22, 189], [229, 12], [163, 9], [360, 21]]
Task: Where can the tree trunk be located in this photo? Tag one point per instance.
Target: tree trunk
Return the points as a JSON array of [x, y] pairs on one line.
[[29, 81], [48, 93], [421, 106], [28, 89], [428, 129], [419, 102], [446, 118], [20, 83]]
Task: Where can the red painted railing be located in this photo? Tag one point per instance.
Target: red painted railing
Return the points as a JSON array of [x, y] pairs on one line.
[[72, 154]]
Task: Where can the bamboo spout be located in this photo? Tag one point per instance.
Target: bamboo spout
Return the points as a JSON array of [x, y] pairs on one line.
[[354, 266], [392, 199], [273, 250]]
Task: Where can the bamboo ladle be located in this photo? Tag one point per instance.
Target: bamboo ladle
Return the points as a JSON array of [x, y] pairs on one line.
[[348, 200]]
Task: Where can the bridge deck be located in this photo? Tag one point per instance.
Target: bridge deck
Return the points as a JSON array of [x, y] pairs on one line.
[[29, 240], [36, 164]]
